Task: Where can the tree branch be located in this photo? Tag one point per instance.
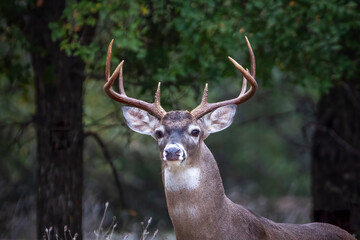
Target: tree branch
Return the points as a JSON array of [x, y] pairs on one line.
[[112, 166], [338, 139], [22, 127]]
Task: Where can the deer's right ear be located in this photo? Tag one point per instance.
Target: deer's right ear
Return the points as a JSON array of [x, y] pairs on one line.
[[139, 120]]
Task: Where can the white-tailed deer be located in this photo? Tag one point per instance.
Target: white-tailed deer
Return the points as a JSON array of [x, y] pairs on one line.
[[197, 204]]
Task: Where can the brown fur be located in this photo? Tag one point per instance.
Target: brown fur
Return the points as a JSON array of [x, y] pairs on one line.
[[218, 217], [195, 196], [222, 219]]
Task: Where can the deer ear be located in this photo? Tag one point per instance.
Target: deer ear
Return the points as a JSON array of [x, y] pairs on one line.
[[139, 120], [219, 119]]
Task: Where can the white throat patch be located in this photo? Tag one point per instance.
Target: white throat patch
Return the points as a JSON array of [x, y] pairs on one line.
[[183, 210], [181, 178]]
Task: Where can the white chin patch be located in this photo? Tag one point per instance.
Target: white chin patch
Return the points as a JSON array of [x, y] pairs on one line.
[[182, 156]]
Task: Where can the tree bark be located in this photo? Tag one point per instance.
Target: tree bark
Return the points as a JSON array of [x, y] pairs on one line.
[[59, 142], [336, 158], [59, 98]]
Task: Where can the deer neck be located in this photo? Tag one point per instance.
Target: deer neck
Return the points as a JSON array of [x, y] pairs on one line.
[[194, 193]]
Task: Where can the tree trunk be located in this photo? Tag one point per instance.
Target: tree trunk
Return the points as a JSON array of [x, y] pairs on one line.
[[59, 142], [336, 158], [58, 90]]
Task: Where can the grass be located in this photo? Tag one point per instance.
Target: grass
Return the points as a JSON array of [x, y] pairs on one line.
[[102, 233]]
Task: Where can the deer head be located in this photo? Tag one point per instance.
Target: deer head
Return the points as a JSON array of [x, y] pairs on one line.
[[179, 133]]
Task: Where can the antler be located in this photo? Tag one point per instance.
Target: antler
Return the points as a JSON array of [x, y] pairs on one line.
[[153, 108], [244, 95]]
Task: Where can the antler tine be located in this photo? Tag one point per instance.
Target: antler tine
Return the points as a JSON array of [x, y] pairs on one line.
[[204, 101], [153, 108], [121, 81], [252, 58], [157, 95], [205, 95], [244, 85], [108, 61], [110, 79], [244, 95]]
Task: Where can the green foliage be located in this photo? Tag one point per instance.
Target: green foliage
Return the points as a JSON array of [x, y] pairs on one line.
[[314, 43], [14, 58], [69, 28], [184, 44], [179, 44]]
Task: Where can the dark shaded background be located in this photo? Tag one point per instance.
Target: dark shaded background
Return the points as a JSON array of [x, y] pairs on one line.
[[291, 155]]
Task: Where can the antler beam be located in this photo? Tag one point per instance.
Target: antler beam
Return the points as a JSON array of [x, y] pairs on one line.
[[153, 108], [244, 95]]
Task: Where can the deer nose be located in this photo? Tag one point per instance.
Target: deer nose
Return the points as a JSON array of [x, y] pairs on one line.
[[173, 152]]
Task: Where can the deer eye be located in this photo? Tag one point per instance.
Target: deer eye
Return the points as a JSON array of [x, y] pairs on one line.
[[195, 133], [159, 134]]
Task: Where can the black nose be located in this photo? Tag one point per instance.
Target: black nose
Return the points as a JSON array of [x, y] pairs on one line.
[[172, 153]]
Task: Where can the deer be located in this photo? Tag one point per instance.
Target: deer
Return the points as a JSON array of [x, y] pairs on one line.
[[195, 196]]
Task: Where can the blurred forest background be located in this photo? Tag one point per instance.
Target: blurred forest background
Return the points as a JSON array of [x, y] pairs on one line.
[[291, 155]]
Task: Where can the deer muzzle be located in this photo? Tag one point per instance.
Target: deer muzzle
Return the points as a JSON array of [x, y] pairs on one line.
[[174, 152]]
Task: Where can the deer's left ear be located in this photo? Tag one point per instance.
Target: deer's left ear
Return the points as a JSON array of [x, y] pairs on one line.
[[219, 119], [139, 120]]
